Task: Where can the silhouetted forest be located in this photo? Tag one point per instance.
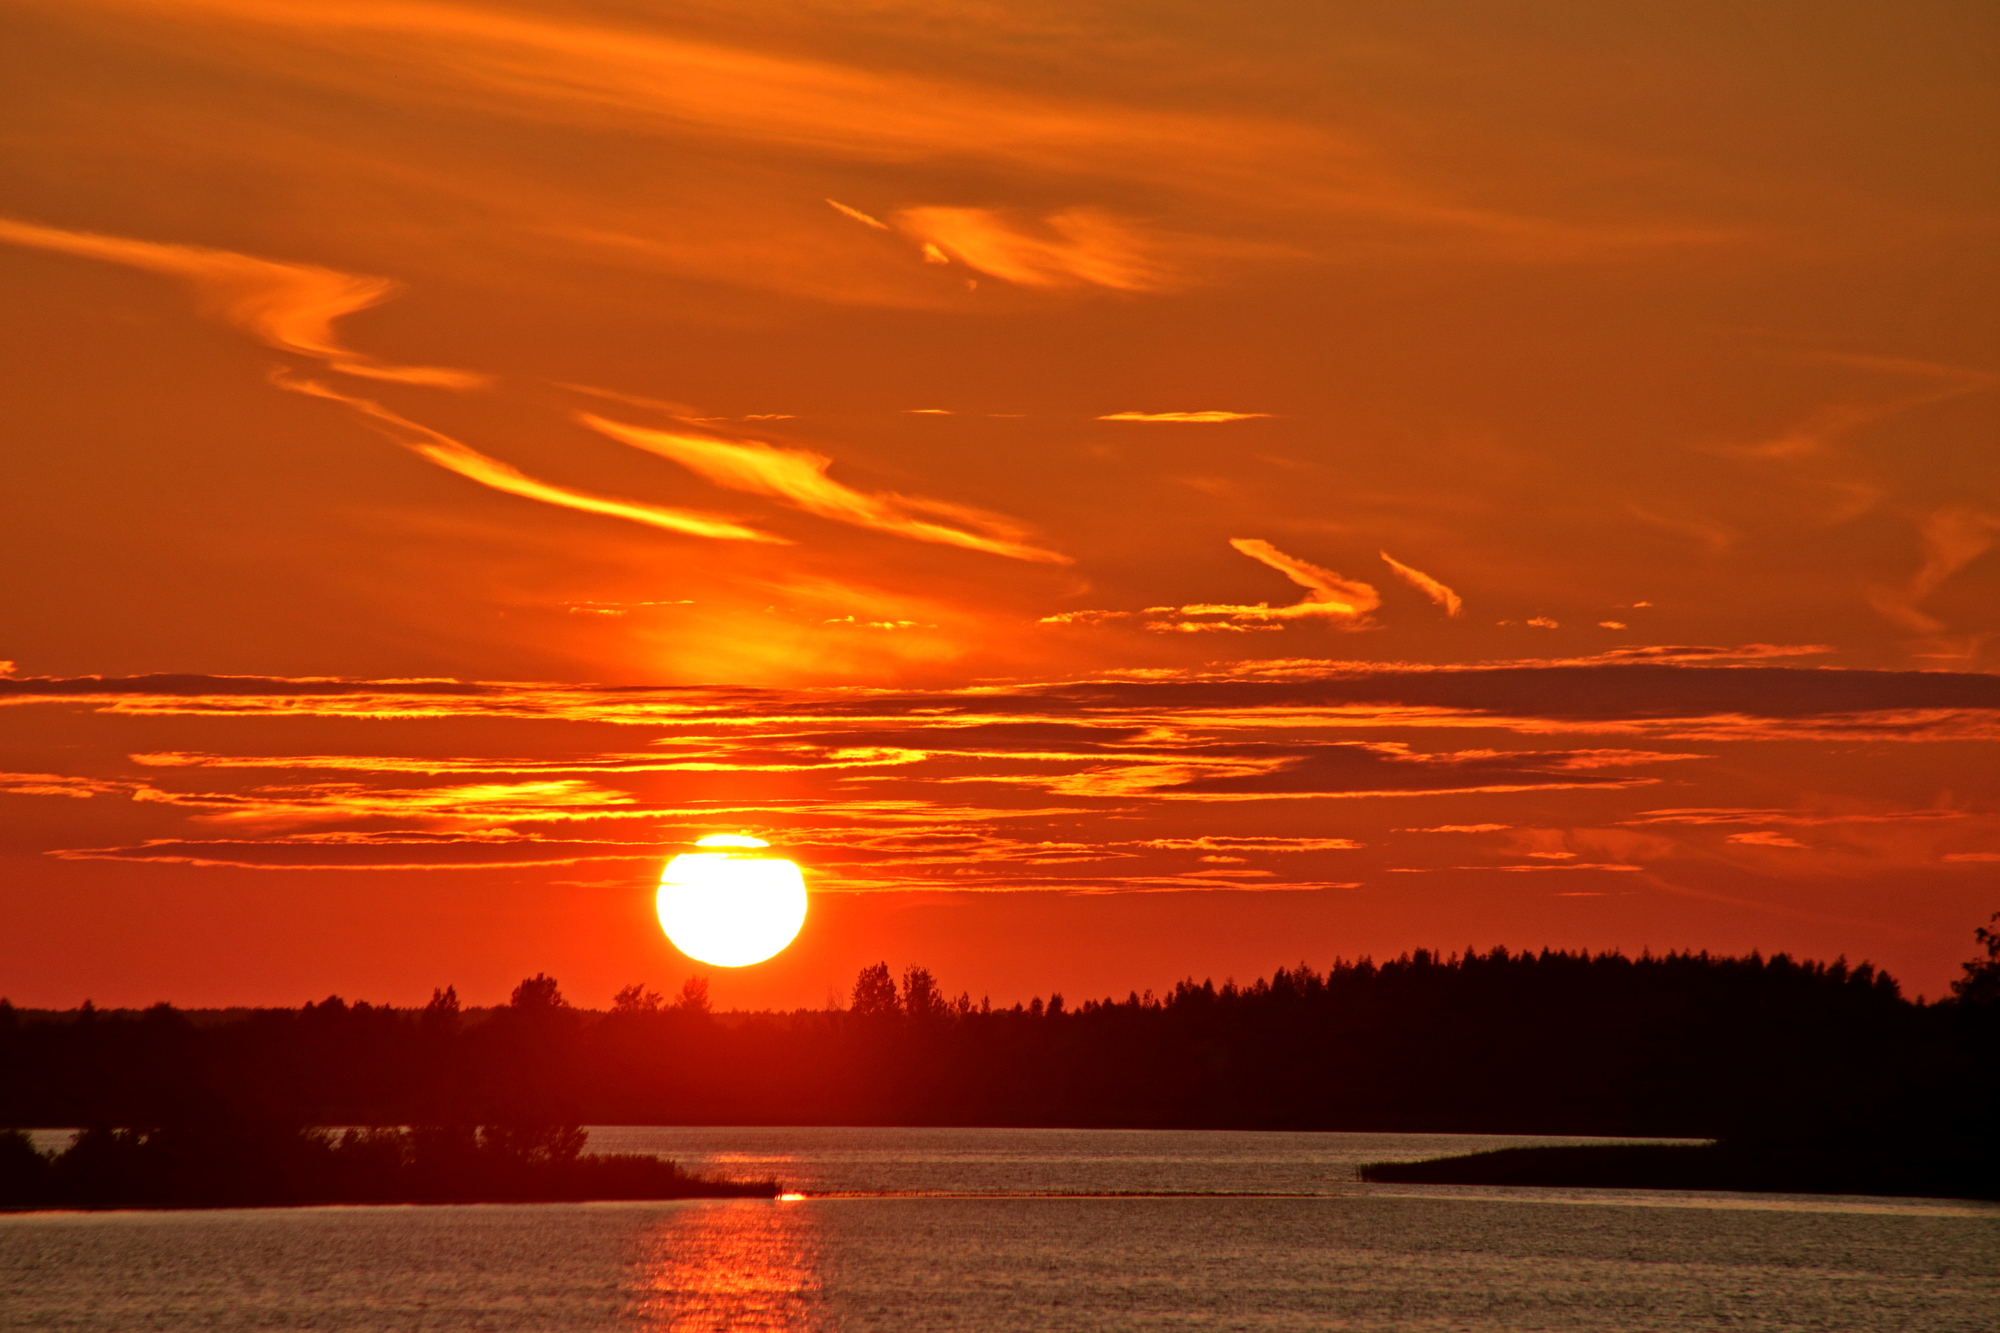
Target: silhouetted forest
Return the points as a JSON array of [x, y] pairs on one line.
[[1749, 1049]]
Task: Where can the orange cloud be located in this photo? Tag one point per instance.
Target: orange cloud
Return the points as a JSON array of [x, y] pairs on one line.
[[1203, 418], [1080, 247], [470, 803], [291, 307], [858, 215], [1953, 537], [798, 477], [57, 784], [1427, 585], [1764, 838], [1254, 844], [469, 463], [1328, 595]]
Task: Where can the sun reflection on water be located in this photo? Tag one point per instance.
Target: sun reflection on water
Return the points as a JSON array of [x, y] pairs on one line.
[[738, 1265]]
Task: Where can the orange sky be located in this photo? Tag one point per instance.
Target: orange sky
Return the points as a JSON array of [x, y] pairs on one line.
[[1116, 490]]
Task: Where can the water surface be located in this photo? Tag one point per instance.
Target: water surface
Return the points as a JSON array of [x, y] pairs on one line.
[[992, 1230]]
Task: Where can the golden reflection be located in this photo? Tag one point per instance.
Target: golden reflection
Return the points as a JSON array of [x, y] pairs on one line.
[[740, 1265]]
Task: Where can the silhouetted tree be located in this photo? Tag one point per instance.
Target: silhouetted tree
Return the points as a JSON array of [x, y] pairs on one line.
[[537, 992], [635, 999], [921, 997], [1981, 982], [444, 1003], [693, 998], [875, 993]]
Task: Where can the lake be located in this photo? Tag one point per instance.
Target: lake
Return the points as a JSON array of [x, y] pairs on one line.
[[999, 1230]]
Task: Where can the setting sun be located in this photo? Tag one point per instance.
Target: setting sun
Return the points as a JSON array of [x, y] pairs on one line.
[[731, 907]]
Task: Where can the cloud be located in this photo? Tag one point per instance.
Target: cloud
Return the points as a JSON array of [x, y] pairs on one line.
[[1196, 417], [1328, 595], [461, 804], [1953, 537], [1085, 617], [402, 850], [57, 784], [858, 215], [1608, 697], [633, 78], [1765, 838], [1329, 599], [1701, 653], [798, 478], [1385, 768], [291, 307], [1819, 430], [1079, 247], [866, 786], [469, 463], [1725, 815], [1425, 584], [1220, 843]]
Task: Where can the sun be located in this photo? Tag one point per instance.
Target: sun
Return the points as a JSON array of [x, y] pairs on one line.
[[731, 908]]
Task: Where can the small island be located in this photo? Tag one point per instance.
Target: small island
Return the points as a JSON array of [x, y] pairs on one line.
[[238, 1166], [1917, 1170]]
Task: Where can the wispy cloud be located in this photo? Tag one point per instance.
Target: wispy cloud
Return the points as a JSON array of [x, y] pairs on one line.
[[1328, 595], [1329, 599], [1765, 838], [633, 76], [1198, 418], [1425, 584], [798, 477], [858, 215], [291, 307], [1953, 537], [1809, 818], [1818, 431], [454, 456], [1224, 843], [1079, 247], [57, 784]]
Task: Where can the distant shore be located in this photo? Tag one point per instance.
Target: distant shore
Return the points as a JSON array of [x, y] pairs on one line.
[[207, 1167], [1768, 1169]]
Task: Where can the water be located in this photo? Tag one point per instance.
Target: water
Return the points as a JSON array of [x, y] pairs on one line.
[[1002, 1230]]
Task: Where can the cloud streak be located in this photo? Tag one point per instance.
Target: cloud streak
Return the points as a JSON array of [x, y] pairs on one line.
[[455, 456], [291, 307], [1079, 247], [1328, 595], [1424, 583], [859, 216], [797, 477], [1195, 418], [1953, 537]]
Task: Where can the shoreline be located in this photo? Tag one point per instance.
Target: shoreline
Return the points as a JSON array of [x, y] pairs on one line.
[[1718, 1167]]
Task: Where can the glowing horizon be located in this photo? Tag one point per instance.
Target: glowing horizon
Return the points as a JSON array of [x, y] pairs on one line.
[[1110, 508]]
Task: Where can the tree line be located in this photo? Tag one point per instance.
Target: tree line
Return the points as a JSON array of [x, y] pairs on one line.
[[1745, 1048]]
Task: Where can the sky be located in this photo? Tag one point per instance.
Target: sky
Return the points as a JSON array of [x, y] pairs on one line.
[[1116, 491]]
